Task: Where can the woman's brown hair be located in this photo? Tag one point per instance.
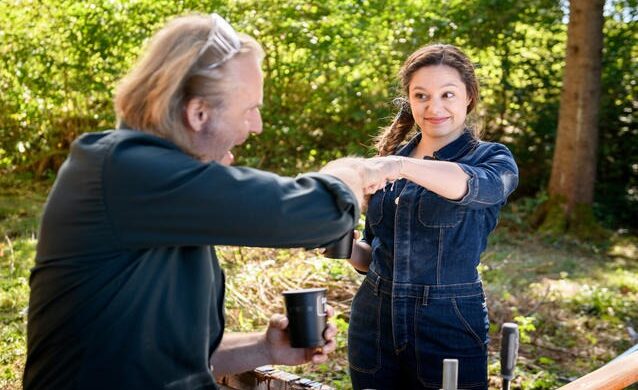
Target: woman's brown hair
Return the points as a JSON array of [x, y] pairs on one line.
[[437, 54]]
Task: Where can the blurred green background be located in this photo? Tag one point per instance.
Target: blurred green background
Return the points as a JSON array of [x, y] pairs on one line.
[[330, 78]]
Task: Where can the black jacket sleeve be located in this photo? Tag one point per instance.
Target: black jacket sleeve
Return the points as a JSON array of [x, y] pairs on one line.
[[155, 195]]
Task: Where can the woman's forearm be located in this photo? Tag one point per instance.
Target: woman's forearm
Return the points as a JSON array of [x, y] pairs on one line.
[[444, 178]]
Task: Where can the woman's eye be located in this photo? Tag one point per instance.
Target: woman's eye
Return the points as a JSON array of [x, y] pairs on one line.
[[448, 95], [420, 96]]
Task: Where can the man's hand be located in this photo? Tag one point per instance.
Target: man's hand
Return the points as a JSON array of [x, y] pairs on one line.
[[278, 343], [365, 175], [381, 170]]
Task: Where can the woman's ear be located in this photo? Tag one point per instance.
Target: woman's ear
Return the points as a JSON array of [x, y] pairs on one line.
[[197, 114]]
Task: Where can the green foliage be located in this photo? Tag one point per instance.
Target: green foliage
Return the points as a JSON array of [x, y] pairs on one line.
[[525, 327], [610, 305], [551, 219], [584, 225], [541, 380], [617, 182], [331, 74], [553, 216], [571, 300], [20, 207]]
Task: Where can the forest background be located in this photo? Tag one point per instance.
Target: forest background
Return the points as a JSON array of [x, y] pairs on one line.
[[330, 71]]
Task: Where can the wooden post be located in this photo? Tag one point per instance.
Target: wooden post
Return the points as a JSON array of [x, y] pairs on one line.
[[268, 378]]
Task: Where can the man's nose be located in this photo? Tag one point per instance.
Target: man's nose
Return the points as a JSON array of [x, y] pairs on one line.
[[253, 123], [256, 125]]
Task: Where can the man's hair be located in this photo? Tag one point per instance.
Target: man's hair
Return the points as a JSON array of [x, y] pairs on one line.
[[175, 68]]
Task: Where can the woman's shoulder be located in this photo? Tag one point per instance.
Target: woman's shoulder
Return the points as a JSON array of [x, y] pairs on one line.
[[489, 151], [490, 147]]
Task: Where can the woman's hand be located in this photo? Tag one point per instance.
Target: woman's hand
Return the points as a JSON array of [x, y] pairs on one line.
[[277, 343], [361, 254]]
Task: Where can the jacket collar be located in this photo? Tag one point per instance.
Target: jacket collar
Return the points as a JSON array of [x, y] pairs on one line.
[[449, 152]]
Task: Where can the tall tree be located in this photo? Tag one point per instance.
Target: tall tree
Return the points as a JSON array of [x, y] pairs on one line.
[[571, 185]]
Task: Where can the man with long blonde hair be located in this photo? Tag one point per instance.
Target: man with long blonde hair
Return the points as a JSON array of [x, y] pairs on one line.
[[127, 291]]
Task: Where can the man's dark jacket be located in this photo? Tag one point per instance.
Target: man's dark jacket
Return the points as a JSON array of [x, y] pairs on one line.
[[127, 292]]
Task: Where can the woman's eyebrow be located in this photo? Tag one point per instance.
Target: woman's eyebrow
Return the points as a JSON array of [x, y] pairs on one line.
[[450, 84]]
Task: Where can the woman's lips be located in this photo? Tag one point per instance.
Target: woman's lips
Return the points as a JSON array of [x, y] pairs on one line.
[[437, 121]]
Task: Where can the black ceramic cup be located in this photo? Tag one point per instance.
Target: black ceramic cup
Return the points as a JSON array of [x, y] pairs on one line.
[[306, 311], [341, 249]]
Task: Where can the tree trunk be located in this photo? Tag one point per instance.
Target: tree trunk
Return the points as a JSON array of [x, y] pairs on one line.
[[571, 186]]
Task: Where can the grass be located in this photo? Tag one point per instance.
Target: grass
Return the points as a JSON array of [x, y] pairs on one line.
[[573, 301], [20, 206]]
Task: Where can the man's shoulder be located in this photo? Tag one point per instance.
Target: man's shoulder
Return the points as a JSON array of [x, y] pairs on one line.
[[110, 138], [125, 146]]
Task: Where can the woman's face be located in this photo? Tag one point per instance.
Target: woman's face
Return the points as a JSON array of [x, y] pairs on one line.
[[438, 99]]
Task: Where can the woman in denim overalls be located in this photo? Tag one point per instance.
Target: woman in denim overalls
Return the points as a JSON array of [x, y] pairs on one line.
[[422, 300]]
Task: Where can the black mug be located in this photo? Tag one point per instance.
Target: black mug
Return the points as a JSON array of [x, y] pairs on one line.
[[341, 249], [306, 311]]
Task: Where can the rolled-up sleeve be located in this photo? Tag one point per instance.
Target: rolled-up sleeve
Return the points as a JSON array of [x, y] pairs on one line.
[[492, 178]]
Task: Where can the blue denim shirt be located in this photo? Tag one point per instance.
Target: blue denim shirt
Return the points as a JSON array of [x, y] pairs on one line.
[[419, 237]]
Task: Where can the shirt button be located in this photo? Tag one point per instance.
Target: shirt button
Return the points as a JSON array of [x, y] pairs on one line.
[[396, 201]]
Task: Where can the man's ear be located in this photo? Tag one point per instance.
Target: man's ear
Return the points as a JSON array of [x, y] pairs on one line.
[[197, 113]]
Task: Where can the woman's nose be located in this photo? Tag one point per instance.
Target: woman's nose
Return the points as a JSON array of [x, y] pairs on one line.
[[433, 106]]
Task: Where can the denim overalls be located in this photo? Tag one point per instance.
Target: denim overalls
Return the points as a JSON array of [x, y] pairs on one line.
[[422, 300]]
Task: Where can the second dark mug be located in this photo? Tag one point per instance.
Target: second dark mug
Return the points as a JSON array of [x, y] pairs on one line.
[[306, 312], [341, 249]]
